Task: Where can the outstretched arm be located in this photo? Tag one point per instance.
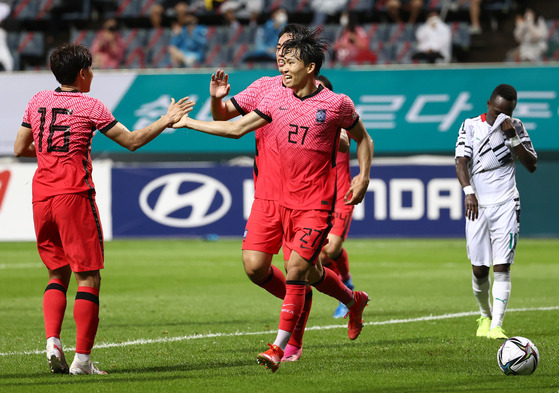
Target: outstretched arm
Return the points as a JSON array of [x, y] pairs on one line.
[[365, 149], [219, 88], [228, 129], [134, 140]]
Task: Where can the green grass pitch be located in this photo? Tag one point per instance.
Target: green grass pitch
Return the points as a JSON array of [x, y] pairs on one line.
[[181, 316]]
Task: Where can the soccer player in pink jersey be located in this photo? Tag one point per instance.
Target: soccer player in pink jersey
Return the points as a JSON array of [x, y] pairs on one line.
[[57, 128], [334, 256], [263, 231], [306, 122]]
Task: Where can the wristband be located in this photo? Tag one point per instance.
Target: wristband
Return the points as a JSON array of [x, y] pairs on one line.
[[515, 141], [468, 190]]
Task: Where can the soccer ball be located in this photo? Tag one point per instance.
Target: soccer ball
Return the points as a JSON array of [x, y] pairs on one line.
[[518, 356]]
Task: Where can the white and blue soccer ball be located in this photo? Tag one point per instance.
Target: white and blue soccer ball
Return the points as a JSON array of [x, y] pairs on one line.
[[518, 356]]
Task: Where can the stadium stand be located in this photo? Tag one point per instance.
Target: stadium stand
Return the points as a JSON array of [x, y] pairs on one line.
[[30, 43]]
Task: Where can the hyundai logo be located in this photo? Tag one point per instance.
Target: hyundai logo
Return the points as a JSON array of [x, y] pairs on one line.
[[169, 201]]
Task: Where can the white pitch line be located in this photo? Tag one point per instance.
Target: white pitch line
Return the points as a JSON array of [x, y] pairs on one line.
[[328, 327]]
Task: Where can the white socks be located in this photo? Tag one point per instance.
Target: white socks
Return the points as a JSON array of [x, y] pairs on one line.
[[481, 287], [282, 338], [501, 294], [82, 357]]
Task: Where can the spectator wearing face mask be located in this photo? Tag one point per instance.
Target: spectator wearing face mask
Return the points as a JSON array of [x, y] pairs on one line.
[[267, 37], [434, 41], [108, 47], [352, 46], [531, 33]]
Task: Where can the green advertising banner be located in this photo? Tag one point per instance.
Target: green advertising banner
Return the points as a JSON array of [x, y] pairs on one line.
[[407, 111]]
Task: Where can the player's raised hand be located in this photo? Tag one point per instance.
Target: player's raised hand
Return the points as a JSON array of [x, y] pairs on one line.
[[178, 109], [357, 190], [219, 84], [508, 128]]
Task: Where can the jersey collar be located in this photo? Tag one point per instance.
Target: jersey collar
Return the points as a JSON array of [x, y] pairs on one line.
[[59, 90], [318, 90], [483, 119]]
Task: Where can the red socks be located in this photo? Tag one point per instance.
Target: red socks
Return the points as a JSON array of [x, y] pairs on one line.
[[342, 263], [54, 306], [297, 337], [274, 283], [292, 306], [331, 285], [86, 315]]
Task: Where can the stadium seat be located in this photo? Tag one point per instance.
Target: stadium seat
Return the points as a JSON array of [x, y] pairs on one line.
[[403, 51], [400, 32], [128, 9], [134, 43], [25, 9], [84, 37], [360, 5], [31, 43], [157, 48]]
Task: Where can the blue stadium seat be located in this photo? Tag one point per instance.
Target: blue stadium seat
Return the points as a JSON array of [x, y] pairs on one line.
[[128, 9], [400, 32], [134, 43], [84, 37], [157, 52], [31, 43], [403, 51], [360, 5], [25, 9], [460, 34]]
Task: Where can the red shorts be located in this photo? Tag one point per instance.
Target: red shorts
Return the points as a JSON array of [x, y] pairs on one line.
[[263, 231], [69, 232], [305, 231], [342, 220]]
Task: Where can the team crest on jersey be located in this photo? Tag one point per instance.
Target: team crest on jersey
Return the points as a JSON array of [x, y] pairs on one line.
[[320, 115]]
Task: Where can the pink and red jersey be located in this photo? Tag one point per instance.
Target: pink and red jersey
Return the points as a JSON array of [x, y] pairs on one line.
[[343, 173], [306, 131], [63, 124], [266, 160]]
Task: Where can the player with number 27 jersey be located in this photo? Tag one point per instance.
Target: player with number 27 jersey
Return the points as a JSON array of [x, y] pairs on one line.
[[63, 124], [307, 132]]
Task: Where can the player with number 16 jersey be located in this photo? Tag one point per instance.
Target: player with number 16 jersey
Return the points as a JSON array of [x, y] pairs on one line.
[[63, 124]]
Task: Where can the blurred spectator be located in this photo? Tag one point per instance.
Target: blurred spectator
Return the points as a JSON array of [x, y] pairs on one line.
[[228, 11], [267, 38], [434, 40], [323, 8], [188, 41], [352, 46], [6, 60], [108, 47], [163, 9], [250, 10], [394, 9], [531, 33], [474, 10]]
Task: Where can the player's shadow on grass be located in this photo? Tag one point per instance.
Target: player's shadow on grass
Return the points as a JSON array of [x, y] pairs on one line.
[[123, 375]]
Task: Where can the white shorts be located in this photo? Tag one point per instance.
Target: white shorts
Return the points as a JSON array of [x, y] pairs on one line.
[[492, 238]]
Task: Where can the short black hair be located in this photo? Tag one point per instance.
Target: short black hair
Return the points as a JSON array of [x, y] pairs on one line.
[[293, 29], [67, 60], [309, 47], [325, 81], [506, 91]]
